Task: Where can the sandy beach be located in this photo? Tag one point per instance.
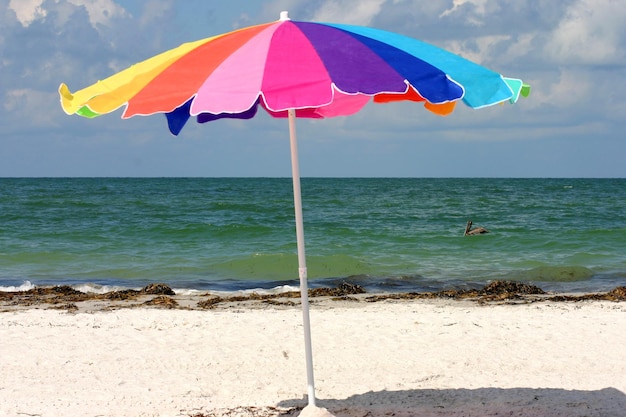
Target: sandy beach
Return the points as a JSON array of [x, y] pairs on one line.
[[393, 357]]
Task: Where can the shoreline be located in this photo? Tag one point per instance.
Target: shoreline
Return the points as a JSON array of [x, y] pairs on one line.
[[161, 296]]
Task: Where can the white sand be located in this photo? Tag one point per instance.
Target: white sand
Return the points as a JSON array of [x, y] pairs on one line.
[[409, 358]]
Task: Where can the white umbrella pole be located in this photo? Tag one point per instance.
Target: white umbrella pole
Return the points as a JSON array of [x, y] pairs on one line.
[[302, 272]]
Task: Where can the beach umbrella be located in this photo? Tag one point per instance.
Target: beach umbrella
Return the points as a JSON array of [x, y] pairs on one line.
[[293, 69]]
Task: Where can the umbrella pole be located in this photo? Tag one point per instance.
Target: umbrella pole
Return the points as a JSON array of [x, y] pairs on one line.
[[302, 271]]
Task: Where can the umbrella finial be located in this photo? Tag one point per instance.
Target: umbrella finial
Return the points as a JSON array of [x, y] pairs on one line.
[[284, 15]]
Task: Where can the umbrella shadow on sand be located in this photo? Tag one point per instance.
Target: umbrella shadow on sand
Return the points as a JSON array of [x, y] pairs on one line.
[[545, 402]]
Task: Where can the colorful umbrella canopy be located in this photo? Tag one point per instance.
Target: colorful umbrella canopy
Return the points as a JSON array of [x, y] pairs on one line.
[[319, 69], [293, 69]]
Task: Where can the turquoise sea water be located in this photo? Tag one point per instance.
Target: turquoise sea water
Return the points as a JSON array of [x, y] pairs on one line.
[[402, 234]]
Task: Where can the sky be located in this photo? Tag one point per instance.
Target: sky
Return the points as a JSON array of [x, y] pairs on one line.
[[572, 53]]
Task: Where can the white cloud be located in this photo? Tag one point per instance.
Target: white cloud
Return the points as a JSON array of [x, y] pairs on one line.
[[154, 10], [522, 46], [479, 8], [480, 47], [346, 11], [100, 11], [591, 32], [27, 11], [24, 103], [13, 98], [336, 11], [271, 9], [569, 86]]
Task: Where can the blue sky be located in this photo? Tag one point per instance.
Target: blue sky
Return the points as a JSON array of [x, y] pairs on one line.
[[572, 52]]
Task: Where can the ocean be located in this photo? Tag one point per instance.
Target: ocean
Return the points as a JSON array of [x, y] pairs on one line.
[[238, 234]]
